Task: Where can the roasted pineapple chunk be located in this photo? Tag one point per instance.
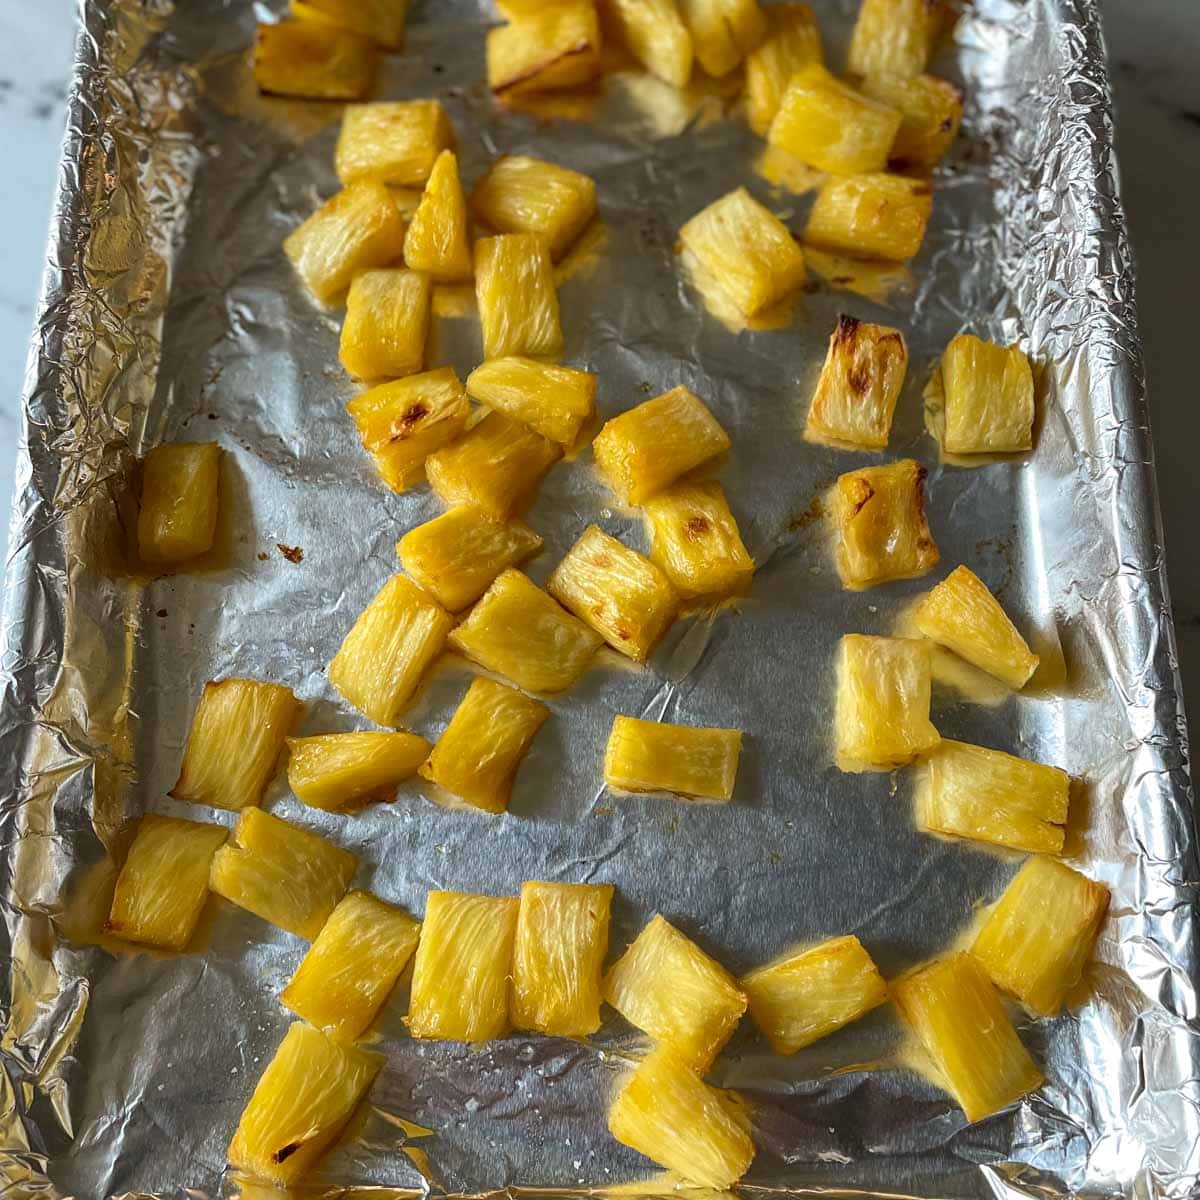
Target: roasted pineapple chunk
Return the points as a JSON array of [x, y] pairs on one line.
[[518, 302], [894, 37], [553, 401], [393, 142], [620, 593], [520, 632], [282, 873], [313, 61], [556, 47], [238, 731], [962, 615], [460, 980], [883, 691], [301, 1103], [652, 756], [177, 519], [723, 31], [387, 322], [163, 885], [988, 397], [358, 228], [477, 757], [667, 987], [341, 772], [871, 216], [380, 20], [745, 250], [793, 42], [436, 241], [989, 796], [930, 110], [960, 1021], [558, 958], [526, 195], [879, 514], [395, 639], [649, 447], [352, 966], [656, 36]]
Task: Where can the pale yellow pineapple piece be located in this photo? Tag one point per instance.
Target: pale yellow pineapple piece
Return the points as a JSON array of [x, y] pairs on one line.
[[352, 966], [555, 47], [342, 772], [723, 31], [177, 519], [656, 36], [436, 241], [931, 111], [667, 987], [793, 42], [690, 760], [894, 37], [960, 1021], [380, 20], [553, 401], [877, 216], [313, 61], [460, 980], [394, 141], [558, 958], [517, 298], [988, 397], [163, 884], [387, 323], [520, 194]]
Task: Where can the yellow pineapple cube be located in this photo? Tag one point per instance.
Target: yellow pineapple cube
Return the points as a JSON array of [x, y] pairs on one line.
[[460, 980], [396, 141], [352, 966], [517, 298], [301, 1103], [960, 1021], [723, 31], [282, 873], [667, 987], [387, 322], [894, 37], [962, 615], [558, 958], [477, 757], [793, 42], [745, 250], [555, 47], [163, 884], [177, 519], [380, 20], [930, 109], [233, 747], [689, 760], [394, 641], [342, 772], [526, 195], [871, 216], [519, 631], [988, 397], [436, 241], [313, 61], [989, 796], [553, 401], [656, 36], [882, 712]]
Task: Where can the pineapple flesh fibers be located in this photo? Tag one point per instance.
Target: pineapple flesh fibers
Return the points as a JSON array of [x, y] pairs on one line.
[[519, 631], [667, 987], [1038, 938], [988, 398], [526, 195], [989, 796], [394, 641], [553, 401], [882, 533], [689, 760], [380, 20], [556, 47], [477, 757], [313, 61], [809, 994], [620, 593], [723, 31], [341, 772], [960, 1020], [877, 216], [745, 250], [397, 141], [515, 291], [177, 519], [793, 42], [403, 422], [882, 712], [859, 385], [558, 958], [163, 885], [387, 322], [930, 110], [962, 615], [436, 241], [668, 1113], [356, 229], [351, 968], [281, 873], [237, 733], [301, 1103], [460, 980], [894, 37], [656, 36], [649, 447]]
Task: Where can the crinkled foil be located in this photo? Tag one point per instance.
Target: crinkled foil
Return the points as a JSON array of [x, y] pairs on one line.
[[170, 313]]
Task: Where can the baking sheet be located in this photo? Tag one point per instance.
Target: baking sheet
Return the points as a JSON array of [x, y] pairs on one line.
[[169, 313]]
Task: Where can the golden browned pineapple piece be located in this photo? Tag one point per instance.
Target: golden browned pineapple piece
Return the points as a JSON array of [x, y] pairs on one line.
[[883, 691], [352, 966], [555, 47], [526, 195], [882, 533], [793, 42], [668, 1113], [177, 519], [723, 31], [380, 20], [667, 987], [745, 251], [396, 141], [894, 37], [963, 615], [387, 322], [652, 756], [989, 796], [460, 980], [163, 884], [931, 110], [988, 397], [477, 757], [238, 731], [960, 1021], [282, 873], [519, 631], [553, 401], [517, 298], [871, 216], [656, 36], [558, 958], [342, 772], [313, 61], [301, 1103], [436, 241], [357, 229]]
